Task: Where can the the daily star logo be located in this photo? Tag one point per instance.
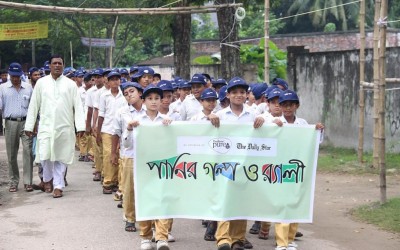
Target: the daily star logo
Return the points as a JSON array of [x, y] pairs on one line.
[[220, 145]]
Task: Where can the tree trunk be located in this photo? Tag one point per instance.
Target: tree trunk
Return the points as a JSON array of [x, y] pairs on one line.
[[230, 56], [181, 28]]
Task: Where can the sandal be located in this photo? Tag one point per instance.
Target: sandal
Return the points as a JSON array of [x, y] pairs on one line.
[[299, 234], [28, 188], [255, 229], [107, 190], [264, 235], [130, 227], [48, 186], [57, 193], [210, 231], [13, 189], [247, 244]]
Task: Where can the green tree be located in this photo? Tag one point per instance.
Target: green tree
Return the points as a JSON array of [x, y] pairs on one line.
[[203, 27]]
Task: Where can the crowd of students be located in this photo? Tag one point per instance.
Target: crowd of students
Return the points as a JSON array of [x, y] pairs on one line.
[[118, 100]]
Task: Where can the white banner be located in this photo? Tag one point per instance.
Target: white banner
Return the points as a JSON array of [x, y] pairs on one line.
[[97, 42]]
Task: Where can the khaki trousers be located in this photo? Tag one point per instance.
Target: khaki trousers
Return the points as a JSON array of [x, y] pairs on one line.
[[161, 229], [98, 155], [110, 171], [83, 144], [230, 231], [285, 233], [128, 202], [265, 226], [13, 134]]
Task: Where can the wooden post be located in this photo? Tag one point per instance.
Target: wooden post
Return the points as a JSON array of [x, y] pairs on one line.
[[382, 99], [112, 38], [266, 42], [90, 45], [376, 84], [33, 53], [72, 58], [361, 101]]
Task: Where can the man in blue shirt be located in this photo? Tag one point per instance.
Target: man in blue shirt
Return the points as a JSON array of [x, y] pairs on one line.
[[14, 101]]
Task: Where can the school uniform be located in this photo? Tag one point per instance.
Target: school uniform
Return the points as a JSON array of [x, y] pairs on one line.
[[97, 151], [190, 107], [83, 141], [123, 116], [233, 231], [161, 225], [108, 106]]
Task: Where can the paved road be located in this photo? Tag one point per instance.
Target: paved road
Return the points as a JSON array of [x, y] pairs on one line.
[[86, 219]]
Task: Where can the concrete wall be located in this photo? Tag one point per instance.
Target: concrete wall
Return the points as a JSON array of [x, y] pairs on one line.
[[328, 85]]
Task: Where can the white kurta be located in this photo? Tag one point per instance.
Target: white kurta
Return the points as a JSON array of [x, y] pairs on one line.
[[61, 110]]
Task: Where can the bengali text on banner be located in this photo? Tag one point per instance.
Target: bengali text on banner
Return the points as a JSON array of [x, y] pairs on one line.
[[24, 31]]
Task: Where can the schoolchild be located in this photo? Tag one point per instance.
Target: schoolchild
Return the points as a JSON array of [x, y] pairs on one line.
[[97, 78], [289, 103], [280, 83], [208, 100], [175, 94], [231, 234], [258, 92], [152, 96], [144, 76], [184, 89], [156, 78], [85, 144], [208, 80], [191, 105], [218, 84], [109, 103], [132, 92], [133, 70], [165, 109], [124, 73], [223, 101]]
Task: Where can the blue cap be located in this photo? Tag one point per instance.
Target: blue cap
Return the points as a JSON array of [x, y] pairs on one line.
[[32, 69], [97, 72], [222, 93], [46, 66], [258, 90], [142, 71], [87, 77], [269, 89], [165, 85], [184, 84], [124, 71], [280, 82], [15, 69], [79, 73], [219, 81], [126, 85], [123, 80], [133, 68], [113, 73], [198, 78], [175, 84], [237, 81], [69, 72], [208, 93], [288, 95], [107, 71], [152, 89], [177, 78], [276, 92]]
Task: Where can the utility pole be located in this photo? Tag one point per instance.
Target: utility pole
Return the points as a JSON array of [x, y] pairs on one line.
[[266, 42], [361, 101]]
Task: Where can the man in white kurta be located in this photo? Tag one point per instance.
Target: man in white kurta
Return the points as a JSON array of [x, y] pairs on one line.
[[57, 100]]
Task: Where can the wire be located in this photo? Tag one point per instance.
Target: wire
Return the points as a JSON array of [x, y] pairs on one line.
[[170, 4], [81, 4]]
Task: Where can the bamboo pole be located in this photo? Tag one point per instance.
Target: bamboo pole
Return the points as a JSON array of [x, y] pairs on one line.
[[117, 11], [112, 38], [266, 42], [382, 99], [376, 84], [361, 102]]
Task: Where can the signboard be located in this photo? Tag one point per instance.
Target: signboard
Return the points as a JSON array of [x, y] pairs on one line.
[[97, 42], [197, 171], [23, 31]]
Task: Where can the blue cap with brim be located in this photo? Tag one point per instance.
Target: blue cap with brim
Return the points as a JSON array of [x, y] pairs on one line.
[[165, 85], [288, 95], [274, 93], [258, 90], [32, 69], [142, 71], [222, 93], [124, 71], [280, 82], [133, 68], [15, 69], [208, 93], [184, 84], [152, 89], [198, 78], [237, 81], [113, 73], [127, 85], [219, 82], [97, 72]]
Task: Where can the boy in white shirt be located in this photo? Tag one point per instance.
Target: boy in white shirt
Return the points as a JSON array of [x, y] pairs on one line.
[[208, 100], [191, 105], [184, 89], [109, 103], [165, 109], [152, 96]]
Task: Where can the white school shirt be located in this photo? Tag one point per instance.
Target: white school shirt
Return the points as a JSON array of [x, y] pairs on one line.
[[226, 114], [143, 119], [262, 108], [190, 107], [199, 117], [108, 106], [96, 97], [176, 106], [175, 116], [123, 116], [82, 94], [300, 121]]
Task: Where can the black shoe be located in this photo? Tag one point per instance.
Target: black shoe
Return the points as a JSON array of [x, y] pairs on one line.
[[298, 234], [247, 244], [224, 246], [81, 158], [238, 245], [255, 228]]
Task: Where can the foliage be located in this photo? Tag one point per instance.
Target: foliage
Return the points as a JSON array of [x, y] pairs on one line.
[[203, 27], [255, 54], [333, 159], [330, 27], [386, 216], [394, 13], [203, 60]]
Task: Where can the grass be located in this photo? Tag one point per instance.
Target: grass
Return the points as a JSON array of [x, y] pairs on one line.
[[343, 160], [386, 216]]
